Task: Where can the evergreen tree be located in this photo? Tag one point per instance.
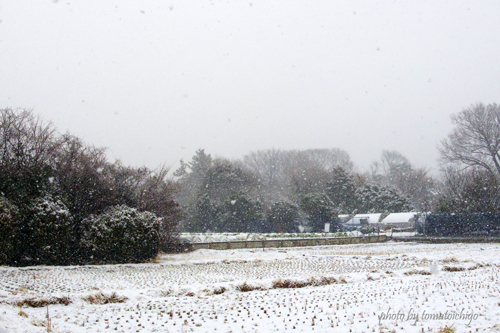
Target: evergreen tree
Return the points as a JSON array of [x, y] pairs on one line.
[[282, 216], [378, 198], [225, 179], [203, 216], [342, 191], [320, 209], [242, 214], [191, 176]]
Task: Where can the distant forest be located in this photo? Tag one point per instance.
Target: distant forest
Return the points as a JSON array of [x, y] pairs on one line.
[[266, 190]]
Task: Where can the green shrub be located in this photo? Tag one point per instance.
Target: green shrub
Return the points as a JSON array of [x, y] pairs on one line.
[[121, 234], [9, 226], [282, 215], [50, 232]]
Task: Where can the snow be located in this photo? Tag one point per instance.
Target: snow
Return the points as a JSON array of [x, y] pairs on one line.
[[399, 217], [374, 218], [182, 292], [370, 218]]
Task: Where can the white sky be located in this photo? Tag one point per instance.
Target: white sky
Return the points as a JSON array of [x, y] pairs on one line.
[[155, 80]]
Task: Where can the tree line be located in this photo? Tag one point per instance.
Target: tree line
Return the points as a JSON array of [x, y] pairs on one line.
[[63, 201], [269, 189]]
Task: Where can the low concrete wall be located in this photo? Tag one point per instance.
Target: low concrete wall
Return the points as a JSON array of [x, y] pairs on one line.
[[442, 240], [277, 243]]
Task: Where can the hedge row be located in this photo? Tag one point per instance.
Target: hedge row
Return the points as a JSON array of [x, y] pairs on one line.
[[462, 224], [45, 233]]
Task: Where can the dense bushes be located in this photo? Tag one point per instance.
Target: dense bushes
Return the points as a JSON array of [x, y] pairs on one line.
[[49, 234], [50, 184], [38, 232], [121, 234], [9, 223]]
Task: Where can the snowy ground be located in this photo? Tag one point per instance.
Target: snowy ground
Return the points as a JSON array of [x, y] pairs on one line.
[[201, 291]]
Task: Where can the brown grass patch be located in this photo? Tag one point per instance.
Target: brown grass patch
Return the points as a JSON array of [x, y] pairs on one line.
[[246, 287], [157, 258], [219, 290], [453, 269], [21, 290], [417, 272], [324, 281], [39, 302], [447, 329], [102, 298], [288, 284], [450, 259]]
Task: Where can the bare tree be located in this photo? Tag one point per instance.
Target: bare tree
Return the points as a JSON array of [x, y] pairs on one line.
[[287, 174], [25, 139], [270, 168], [268, 165], [28, 148], [475, 140], [471, 191], [395, 170], [307, 176], [331, 158], [226, 178], [82, 175]]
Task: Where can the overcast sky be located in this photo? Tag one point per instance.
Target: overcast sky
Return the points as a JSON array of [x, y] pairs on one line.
[[155, 80]]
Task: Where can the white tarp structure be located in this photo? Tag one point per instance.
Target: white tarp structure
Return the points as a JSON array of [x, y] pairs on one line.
[[404, 220], [400, 218], [359, 219]]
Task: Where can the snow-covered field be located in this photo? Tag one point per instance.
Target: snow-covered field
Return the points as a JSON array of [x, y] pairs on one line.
[[350, 288]]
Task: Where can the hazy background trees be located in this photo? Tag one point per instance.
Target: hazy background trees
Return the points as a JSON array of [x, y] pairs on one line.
[[218, 194], [314, 185], [395, 171]]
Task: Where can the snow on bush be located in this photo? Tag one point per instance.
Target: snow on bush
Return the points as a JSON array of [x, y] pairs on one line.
[[50, 232], [121, 234]]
